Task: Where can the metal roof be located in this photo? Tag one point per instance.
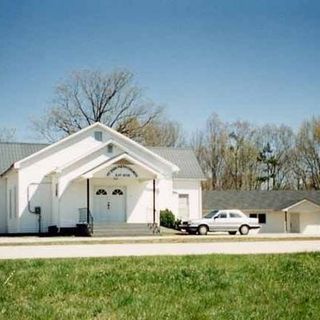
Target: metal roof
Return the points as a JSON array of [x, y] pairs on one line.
[[254, 200], [185, 159], [11, 152]]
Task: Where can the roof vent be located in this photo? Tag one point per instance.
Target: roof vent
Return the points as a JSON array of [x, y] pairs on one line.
[[98, 135], [110, 148]]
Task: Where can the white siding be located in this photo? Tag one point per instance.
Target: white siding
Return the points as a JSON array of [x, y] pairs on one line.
[[74, 197], [36, 176], [12, 203], [193, 189], [3, 206], [275, 221], [310, 222]]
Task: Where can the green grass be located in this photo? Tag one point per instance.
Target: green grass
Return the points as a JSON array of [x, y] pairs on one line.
[[189, 287]]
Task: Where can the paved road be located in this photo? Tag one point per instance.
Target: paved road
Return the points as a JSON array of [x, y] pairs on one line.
[[117, 250], [43, 240]]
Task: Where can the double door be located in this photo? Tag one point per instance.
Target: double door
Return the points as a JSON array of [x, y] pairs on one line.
[[109, 204]]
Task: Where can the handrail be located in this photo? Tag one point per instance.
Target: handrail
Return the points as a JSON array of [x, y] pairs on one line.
[[83, 216]]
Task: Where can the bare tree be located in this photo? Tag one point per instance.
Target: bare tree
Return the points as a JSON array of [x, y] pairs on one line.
[[7, 134], [232, 157], [241, 157], [308, 151], [88, 96], [276, 145], [210, 146], [164, 133]]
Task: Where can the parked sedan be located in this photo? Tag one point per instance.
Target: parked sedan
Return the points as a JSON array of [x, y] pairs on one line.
[[221, 221]]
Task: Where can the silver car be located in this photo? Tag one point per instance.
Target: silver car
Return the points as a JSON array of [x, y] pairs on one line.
[[231, 221]]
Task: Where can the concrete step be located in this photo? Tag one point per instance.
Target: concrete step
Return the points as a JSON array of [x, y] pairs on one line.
[[121, 229]]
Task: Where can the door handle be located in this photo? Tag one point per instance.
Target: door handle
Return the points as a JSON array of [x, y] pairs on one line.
[[108, 205]]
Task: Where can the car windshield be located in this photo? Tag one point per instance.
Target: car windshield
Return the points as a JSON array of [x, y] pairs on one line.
[[211, 214]]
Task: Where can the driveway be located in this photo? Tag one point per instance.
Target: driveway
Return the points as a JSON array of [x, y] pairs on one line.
[[154, 249]]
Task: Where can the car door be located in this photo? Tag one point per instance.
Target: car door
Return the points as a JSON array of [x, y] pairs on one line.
[[219, 221], [235, 220]]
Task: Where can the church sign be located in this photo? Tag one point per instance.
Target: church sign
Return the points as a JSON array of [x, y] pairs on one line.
[[122, 171]]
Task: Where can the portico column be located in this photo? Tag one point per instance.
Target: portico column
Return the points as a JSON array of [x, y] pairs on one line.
[[154, 201], [88, 201], [286, 220]]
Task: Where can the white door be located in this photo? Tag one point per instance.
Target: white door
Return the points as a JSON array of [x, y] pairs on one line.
[[116, 205], [109, 204], [183, 206], [100, 203], [294, 222]]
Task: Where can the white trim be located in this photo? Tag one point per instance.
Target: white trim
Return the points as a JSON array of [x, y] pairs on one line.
[[18, 163], [70, 163], [111, 186], [175, 167], [110, 141], [189, 179], [298, 203], [97, 124], [89, 174]]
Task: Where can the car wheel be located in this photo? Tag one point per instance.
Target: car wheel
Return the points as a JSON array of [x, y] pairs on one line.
[[244, 230], [203, 230], [233, 232]]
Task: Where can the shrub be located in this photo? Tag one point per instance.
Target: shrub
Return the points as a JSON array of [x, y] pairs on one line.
[[177, 223], [167, 219]]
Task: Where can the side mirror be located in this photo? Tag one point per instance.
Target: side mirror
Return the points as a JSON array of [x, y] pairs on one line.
[[216, 217]]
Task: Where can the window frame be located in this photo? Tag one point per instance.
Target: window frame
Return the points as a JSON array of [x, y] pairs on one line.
[[261, 216], [117, 192], [101, 192]]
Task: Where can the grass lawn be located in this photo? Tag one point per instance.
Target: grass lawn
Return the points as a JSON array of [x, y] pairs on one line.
[[187, 287]]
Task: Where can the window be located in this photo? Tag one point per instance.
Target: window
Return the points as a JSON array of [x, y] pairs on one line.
[[262, 218], [117, 192], [235, 215], [101, 192], [110, 148], [211, 214], [98, 135], [223, 215]]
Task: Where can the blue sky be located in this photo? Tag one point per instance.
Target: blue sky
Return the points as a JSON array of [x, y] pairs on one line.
[[252, 60]]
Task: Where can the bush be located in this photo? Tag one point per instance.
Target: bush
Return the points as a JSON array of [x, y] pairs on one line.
[[167, 219]]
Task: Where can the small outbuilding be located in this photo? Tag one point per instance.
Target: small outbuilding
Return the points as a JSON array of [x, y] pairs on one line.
[[277, 211]]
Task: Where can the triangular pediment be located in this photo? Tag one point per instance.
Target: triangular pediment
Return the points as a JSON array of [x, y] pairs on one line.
[[121, 162], [84, 142], [124, 162]]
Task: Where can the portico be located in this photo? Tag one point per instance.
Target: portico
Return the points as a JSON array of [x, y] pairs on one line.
[[122, 189]]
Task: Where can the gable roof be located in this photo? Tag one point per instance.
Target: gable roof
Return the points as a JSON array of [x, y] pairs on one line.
[[11, 152], [100, 126], [185, 159], [254, 200]]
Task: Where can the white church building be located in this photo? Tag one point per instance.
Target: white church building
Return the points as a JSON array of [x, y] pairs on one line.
[[95, 174]]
